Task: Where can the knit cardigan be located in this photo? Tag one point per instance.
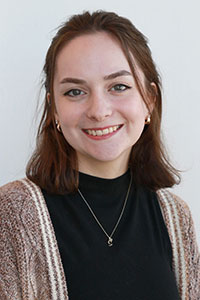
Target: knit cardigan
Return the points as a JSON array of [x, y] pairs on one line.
[[30, 263]]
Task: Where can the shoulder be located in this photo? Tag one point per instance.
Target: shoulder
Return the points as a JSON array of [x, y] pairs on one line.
[[171, 203], [18, 188], [19, 211], [177, 215], [14, 191], [17, 196]]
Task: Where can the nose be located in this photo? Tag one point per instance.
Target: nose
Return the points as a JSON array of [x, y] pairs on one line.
[[99, 107]]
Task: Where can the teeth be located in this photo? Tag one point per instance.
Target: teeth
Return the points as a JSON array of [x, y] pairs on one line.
[[99, 132], [110, 129], [102, 132], [105, 131]]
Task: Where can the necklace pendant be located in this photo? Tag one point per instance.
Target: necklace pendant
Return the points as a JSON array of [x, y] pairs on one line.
[[110, 240]]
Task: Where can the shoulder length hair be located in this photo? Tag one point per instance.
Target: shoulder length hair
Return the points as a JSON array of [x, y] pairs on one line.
[[54, 166]]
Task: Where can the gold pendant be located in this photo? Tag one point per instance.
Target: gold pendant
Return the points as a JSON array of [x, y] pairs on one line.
[[110, 240]]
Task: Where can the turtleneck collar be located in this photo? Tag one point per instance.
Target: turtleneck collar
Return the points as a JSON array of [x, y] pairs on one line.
[[91, 184]]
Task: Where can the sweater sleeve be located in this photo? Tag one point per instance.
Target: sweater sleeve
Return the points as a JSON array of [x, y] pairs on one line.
[[16, 250], [194, 262], [193, 255], [26, 269], [10, 283]]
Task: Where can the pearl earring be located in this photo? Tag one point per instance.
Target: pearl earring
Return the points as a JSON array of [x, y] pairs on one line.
[[148, 120], [58, 126]]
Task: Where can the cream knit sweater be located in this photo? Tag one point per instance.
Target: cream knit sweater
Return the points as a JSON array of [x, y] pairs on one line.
[[30, 263]]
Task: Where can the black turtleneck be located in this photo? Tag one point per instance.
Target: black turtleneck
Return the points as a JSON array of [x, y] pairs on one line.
[[139, 264]]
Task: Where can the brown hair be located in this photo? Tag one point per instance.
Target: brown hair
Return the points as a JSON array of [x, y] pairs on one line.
[[53, 166]]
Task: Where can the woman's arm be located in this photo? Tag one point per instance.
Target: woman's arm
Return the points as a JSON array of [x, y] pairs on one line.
[[186, 257], [10, 283], [193, 259]]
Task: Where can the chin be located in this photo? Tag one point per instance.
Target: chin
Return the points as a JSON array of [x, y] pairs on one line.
[[110, 156]]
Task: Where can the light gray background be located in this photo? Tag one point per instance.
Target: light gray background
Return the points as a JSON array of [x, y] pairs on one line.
[[26, 29]]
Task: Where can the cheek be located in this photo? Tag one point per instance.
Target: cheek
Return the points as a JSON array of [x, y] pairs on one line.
[[68, 115], [134, 111]]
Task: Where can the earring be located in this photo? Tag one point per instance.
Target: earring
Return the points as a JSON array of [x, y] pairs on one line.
[[148, 120], [58, 126]]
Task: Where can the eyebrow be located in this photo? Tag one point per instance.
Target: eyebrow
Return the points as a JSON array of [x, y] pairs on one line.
[[107, 77], [118, 74]]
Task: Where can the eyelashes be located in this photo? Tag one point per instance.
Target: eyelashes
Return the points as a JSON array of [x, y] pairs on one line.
[[74, 93], [118, 88]]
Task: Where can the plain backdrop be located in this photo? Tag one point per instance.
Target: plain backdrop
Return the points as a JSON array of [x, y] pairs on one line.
[[172, 27]]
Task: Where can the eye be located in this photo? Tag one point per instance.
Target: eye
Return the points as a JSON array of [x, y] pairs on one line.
[[74, 93], [120, 87]]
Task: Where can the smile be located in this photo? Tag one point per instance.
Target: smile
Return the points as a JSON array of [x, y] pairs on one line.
[[102, 132]]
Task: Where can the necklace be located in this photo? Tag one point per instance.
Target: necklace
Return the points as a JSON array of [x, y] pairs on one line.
[[110, 239]]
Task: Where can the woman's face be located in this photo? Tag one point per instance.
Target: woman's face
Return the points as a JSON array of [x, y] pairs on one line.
[[98, 106]]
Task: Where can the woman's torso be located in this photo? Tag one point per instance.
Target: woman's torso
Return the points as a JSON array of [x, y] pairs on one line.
[[139, 264]]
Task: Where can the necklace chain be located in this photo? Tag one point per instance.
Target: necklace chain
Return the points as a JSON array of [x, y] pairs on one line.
[[110, 239]]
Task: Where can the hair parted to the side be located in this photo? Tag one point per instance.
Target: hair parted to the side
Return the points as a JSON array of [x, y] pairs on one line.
[[54, 165]]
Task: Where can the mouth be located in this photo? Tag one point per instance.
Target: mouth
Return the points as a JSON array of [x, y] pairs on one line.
[[98, 132]]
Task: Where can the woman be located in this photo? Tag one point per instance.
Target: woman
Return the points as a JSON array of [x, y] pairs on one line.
[[93, 219]]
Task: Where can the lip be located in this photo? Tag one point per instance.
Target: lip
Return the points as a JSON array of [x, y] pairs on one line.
[[103, 137]]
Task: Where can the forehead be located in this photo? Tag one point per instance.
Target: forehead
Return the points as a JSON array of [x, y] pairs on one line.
[[92, 53]]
